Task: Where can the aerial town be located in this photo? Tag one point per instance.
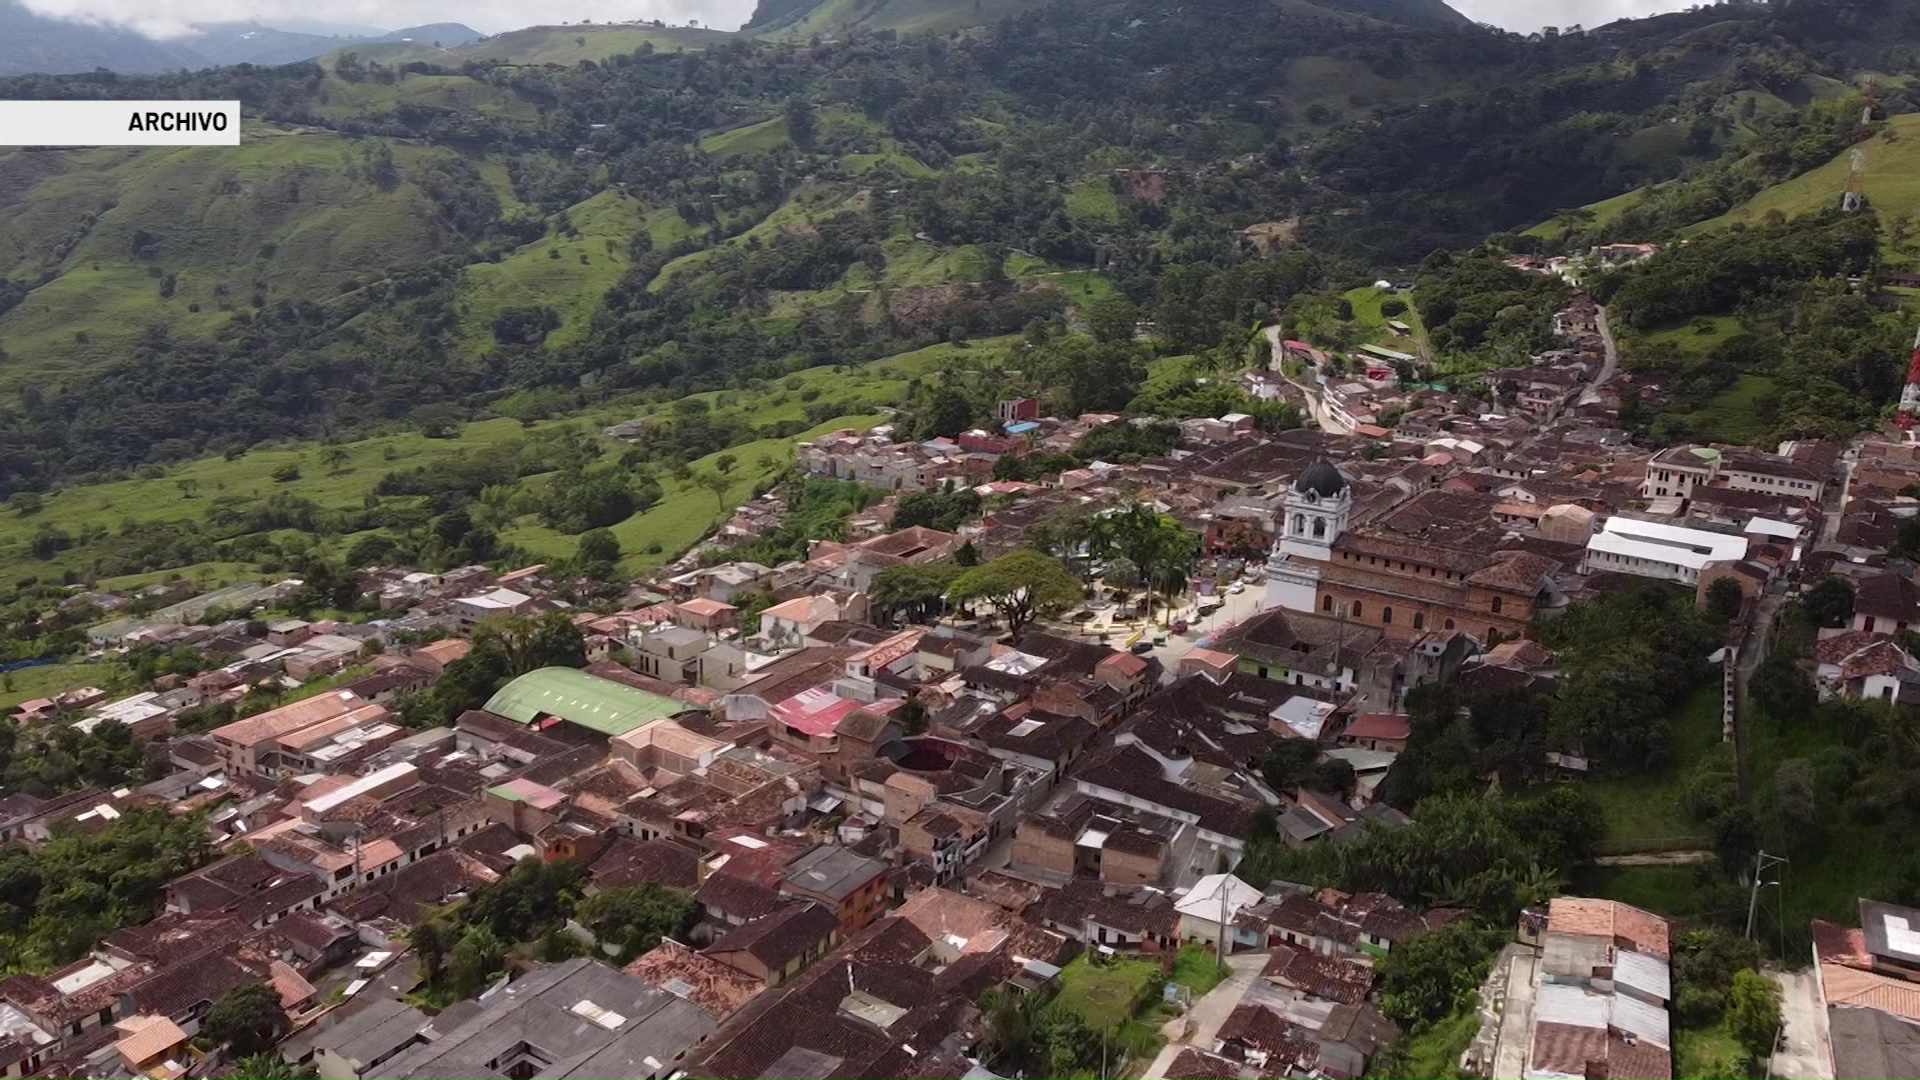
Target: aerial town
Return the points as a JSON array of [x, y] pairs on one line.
[[795, 821]]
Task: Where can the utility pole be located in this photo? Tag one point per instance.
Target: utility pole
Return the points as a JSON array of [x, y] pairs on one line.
[[1220, 946], [1762, 863]]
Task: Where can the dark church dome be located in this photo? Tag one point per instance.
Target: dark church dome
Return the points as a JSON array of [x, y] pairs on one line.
[[1322, 479]]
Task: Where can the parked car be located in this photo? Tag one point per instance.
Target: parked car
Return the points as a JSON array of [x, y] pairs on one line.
[[1179, 626], [1237, 588], [1141, 648]]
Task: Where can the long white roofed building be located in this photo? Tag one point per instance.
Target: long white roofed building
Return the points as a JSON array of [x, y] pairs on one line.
[[1657, 550]]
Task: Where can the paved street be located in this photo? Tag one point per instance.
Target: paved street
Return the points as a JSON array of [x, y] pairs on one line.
[[1237, 607], [1612, 363], [1209, 1012], [1516, 1017], [1805, 1055]]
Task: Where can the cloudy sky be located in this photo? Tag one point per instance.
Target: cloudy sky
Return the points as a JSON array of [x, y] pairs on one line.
[[172, 17], [1530, 15]]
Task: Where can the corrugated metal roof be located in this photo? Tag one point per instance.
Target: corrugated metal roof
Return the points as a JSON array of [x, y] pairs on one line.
[[579, 698], [1647, 974], [1563, 1003]]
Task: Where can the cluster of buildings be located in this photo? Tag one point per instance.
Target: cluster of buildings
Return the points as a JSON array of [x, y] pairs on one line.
[[875, 459], [878, 821], [1587, 987]]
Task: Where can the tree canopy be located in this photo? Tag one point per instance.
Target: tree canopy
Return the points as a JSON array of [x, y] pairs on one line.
[[1020, 585]]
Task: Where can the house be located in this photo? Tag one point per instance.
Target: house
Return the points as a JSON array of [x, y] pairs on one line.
[[946, 838], [785, 625], [251, 746], [778, 945], [1315, 976], [1866, 666], [469, 611], [1216, 902], [434, 657], [1121, 917], [676, 654], [851, 886], [370, 1036], [1074, 837], [578, 1018], [706, 616], [1601, 991], [1678, 470], [1886, 604], [708, 983], [1377, 731]]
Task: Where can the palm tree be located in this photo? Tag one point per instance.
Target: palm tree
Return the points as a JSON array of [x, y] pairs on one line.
[[1161, 547], [1014, 1042]]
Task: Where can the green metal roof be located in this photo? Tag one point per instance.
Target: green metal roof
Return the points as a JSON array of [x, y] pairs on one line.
[[579, 698]]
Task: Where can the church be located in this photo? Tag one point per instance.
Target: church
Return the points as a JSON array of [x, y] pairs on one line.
[[1431, 564]]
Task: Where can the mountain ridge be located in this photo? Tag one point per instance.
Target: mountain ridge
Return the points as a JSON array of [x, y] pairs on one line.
[[33, 44]]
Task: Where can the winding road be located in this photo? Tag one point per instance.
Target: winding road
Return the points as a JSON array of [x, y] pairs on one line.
[[1316, 407]]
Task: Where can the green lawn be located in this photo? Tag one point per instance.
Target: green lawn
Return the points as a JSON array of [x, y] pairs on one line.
[[1196, 968], [49, 679], [1705, 1053], [1736, 415], [1366, 302], [1645, 808], [1435, 1052], [1698, 335], [1103, 994]]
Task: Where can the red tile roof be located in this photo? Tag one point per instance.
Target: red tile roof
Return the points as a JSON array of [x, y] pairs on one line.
[[1379, 726]]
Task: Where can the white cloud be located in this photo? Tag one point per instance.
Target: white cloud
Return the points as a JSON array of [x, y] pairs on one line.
[[1527, 16], [175, 18]]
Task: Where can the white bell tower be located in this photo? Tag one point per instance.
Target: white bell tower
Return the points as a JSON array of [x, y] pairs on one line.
[[1315, 514]]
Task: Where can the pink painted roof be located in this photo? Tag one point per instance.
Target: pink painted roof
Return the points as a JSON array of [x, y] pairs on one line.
[[703, 606], [815, 712], [539, 796]]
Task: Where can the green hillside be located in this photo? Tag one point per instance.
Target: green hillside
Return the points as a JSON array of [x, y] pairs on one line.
[[1891, 183], [837, 17], [561, 45], [568, 273], [111, 524], [568, 45], [110, 232], [502, 229]]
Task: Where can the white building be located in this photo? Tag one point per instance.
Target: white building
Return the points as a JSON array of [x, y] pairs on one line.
[[1654, 550], [470, 611], [1313, 516], [1214, 901]]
